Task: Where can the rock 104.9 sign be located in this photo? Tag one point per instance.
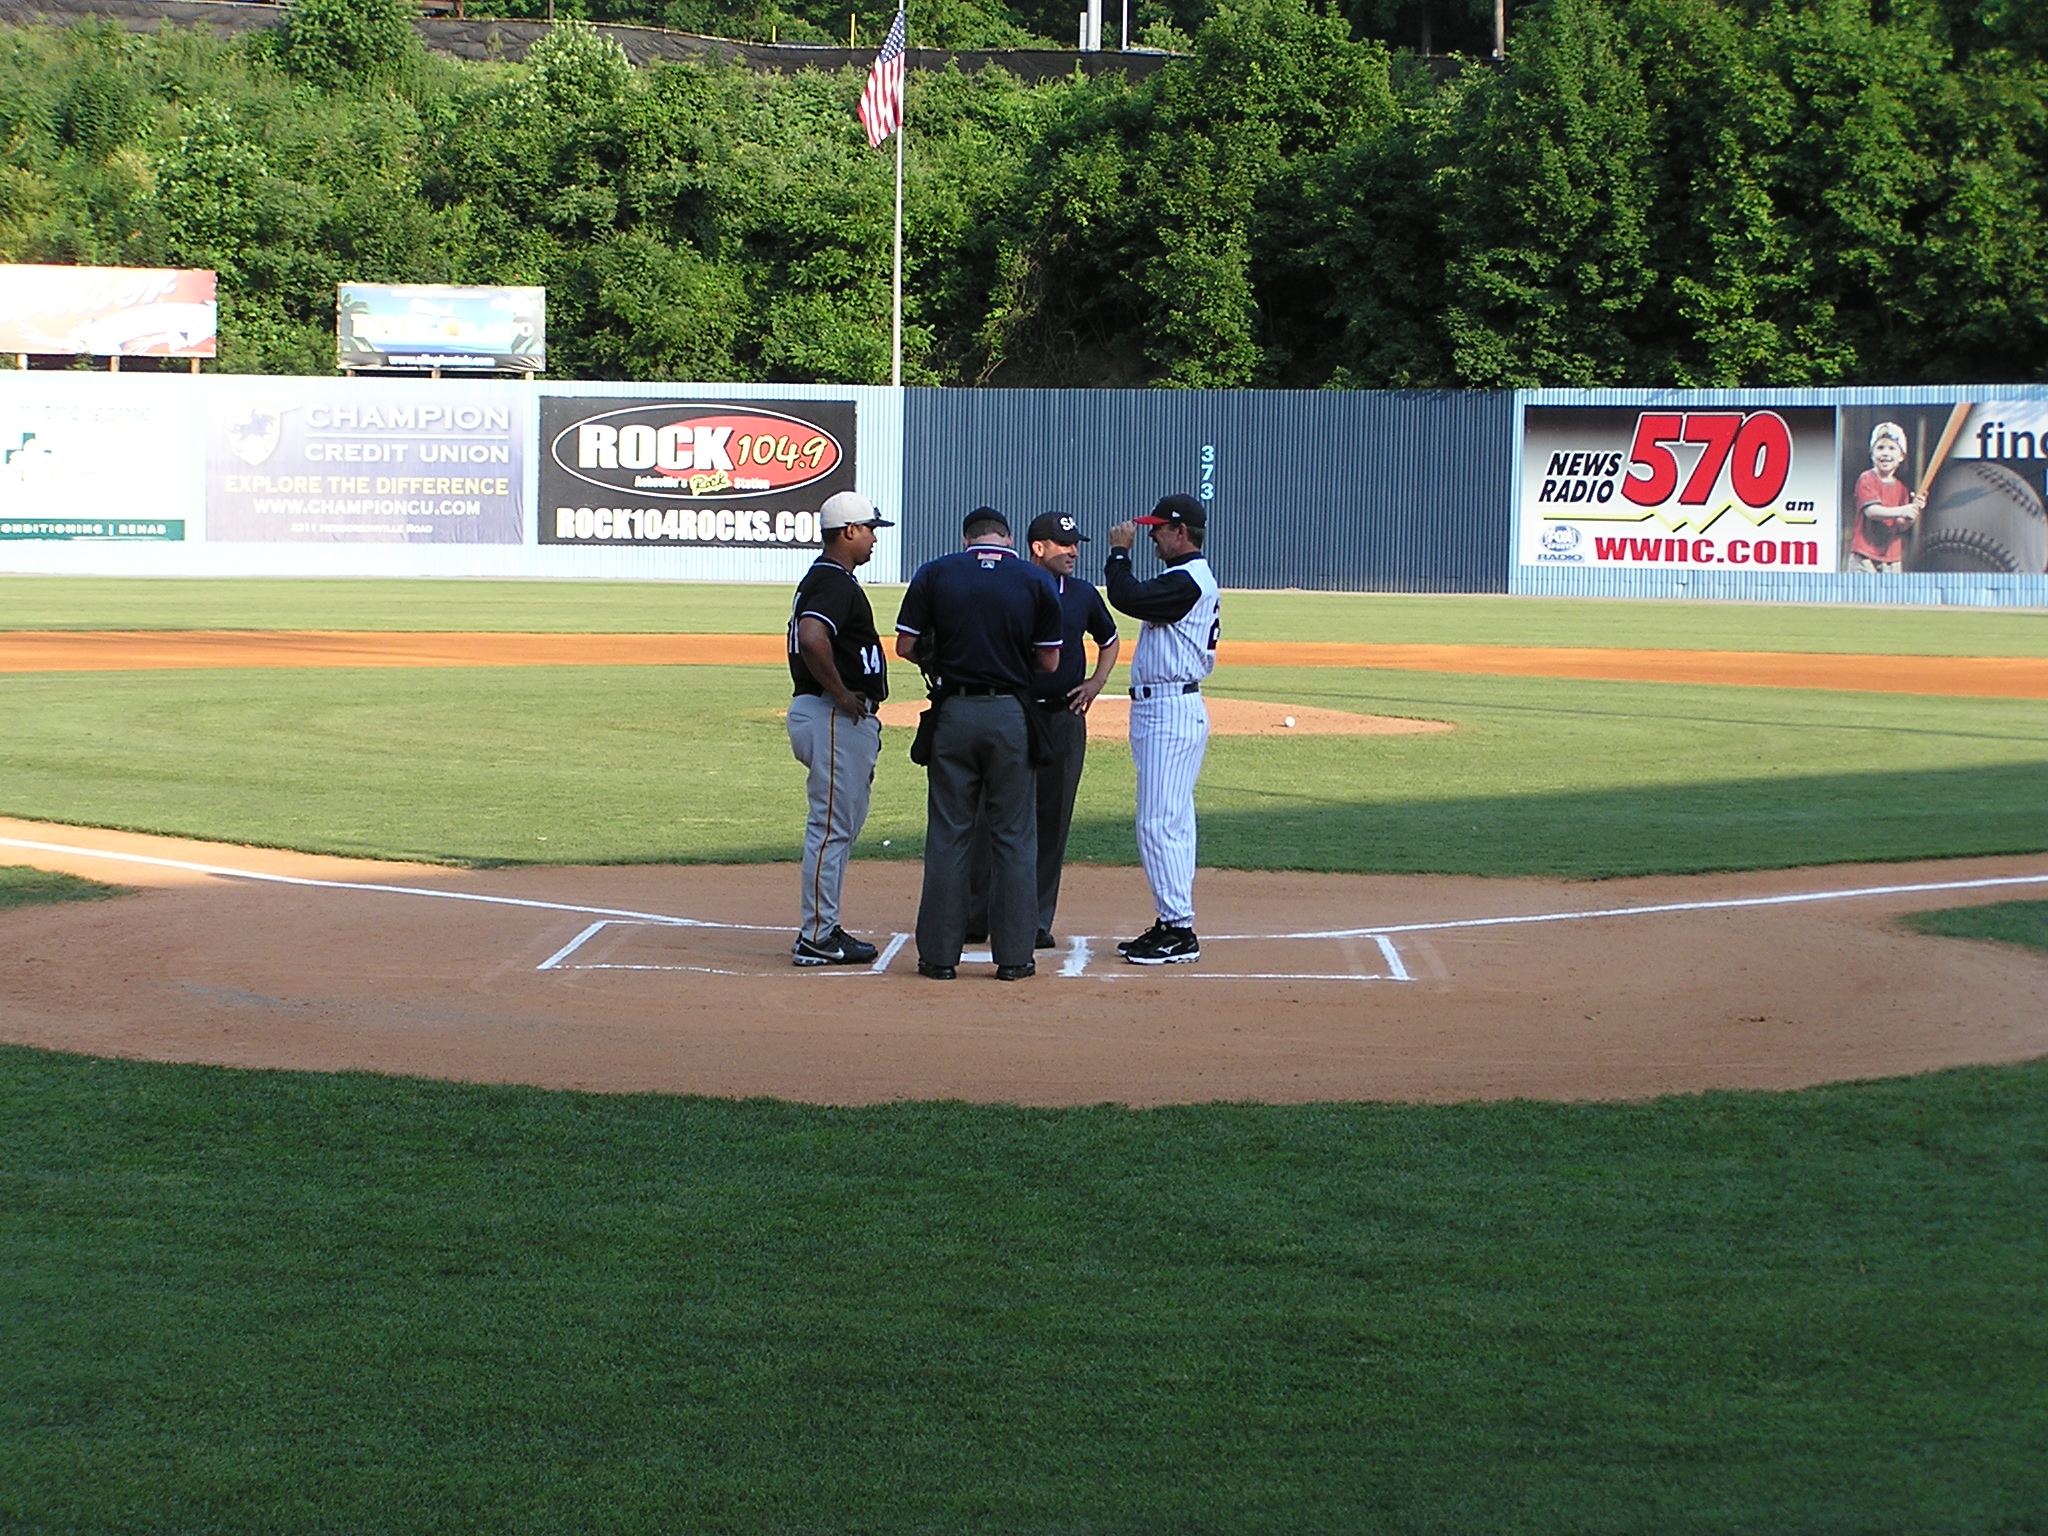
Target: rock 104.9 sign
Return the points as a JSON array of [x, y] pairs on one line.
[[691, 473], [1700, 487]]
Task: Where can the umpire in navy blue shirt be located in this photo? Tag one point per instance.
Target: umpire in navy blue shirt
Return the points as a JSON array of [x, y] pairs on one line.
[[1063, 698], [983, 623]]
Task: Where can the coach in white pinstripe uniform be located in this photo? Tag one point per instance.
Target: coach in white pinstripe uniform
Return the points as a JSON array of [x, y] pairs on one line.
[[1169, 726]]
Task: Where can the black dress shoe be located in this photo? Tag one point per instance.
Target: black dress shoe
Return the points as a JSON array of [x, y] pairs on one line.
[[1046, 940], [1016, 972], [936, 972]]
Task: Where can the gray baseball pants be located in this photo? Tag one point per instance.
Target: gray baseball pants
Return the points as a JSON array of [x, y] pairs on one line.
[[980, 769], [840, 753]]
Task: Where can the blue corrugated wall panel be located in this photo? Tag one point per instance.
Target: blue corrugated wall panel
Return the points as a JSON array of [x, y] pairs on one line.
[[1332, 490]]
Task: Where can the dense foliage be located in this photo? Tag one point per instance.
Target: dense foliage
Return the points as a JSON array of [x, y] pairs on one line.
[[1649, 191]]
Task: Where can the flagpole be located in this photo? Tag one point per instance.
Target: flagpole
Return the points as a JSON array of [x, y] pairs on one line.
[[896, 318]]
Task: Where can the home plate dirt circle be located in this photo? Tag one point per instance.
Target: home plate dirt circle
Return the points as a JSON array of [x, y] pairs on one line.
[[1311, 987]]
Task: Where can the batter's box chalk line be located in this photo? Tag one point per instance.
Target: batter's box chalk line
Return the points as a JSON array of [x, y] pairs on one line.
[[1073, 964], [1079, 953]]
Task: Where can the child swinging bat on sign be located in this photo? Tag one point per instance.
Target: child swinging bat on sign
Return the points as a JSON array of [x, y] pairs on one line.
[[1885, 508]]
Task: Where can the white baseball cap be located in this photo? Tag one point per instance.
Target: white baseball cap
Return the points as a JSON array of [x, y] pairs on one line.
[[850, 509]]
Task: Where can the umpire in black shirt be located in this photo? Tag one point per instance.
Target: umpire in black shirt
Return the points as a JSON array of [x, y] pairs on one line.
[[982, 622]]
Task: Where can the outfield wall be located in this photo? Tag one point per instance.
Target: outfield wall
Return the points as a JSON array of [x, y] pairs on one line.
[[241, 475], [1330, 490], [1593, 516], [1760, 495]]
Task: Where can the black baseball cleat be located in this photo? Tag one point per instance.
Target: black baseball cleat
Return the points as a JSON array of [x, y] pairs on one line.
[[1163, 945], [1046, 940], [858, 951], [1125, 946], [936, 972], [1016, 972], [837, 948]]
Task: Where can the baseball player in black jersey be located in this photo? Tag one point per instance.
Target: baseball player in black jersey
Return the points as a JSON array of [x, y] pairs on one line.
[[840, 678]]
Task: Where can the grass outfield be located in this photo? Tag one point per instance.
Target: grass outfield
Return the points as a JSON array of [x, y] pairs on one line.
[[692, 764], [290, 1303], [65, 602]]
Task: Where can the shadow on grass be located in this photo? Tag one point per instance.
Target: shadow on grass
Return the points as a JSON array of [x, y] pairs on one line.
[[1773, 823]]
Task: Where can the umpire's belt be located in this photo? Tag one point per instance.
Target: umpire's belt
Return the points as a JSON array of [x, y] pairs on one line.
[[1164, 690], [977, 691]]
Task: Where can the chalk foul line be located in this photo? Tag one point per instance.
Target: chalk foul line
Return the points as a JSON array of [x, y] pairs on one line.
[[1731, 903], [1078, 955], [307, 881]]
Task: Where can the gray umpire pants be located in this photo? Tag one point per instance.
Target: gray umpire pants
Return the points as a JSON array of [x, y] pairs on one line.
[[840, 753], [980, 769], [1059, 781]]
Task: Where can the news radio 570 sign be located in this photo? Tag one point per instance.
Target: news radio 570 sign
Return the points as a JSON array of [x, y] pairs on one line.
[[690, 473], [1703, 488]]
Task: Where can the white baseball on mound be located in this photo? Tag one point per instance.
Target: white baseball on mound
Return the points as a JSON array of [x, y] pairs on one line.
[[1288, 722]]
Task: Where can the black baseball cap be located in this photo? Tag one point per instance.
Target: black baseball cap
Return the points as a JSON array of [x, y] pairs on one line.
[[1057, 528], [983, 515], [1184, 510]]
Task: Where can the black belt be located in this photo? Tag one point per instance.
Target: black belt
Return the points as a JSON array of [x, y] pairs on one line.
[[976, 691], [1164, 690]]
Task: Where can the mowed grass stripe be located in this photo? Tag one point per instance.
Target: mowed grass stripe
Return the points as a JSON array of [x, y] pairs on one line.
[[90, 603], [692, 764], [283, 1303]]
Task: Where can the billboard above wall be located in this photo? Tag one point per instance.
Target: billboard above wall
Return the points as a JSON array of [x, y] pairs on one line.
[[1866, 489], [107, 311], [424, 327]]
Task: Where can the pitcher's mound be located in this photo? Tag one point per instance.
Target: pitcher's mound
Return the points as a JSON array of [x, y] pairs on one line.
[[1111, 716]]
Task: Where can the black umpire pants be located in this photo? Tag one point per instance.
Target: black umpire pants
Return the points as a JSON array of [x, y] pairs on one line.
[[981, 758], [1059, 781]]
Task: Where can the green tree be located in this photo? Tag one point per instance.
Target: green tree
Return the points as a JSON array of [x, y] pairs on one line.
[[1545, 169], [333, 41]]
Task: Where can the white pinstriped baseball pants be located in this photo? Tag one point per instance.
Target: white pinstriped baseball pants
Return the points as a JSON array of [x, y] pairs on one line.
[[1169, 735]]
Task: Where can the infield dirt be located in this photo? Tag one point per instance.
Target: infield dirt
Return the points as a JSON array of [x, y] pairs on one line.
[[2014, 677], [521, 976]]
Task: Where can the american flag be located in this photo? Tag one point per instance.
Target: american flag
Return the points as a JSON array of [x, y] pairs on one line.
[[881, 104]]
